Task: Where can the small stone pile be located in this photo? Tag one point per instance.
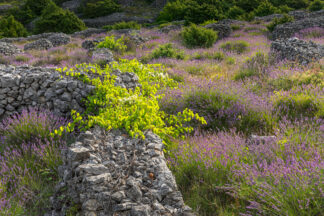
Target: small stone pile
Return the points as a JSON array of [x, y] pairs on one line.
[[22, 87], [102, 56], [91, 44], [294, 49], [8, 49], [287, 30], [52, 40], [109, 173], [59, 39], [223, 30], [41, 44]]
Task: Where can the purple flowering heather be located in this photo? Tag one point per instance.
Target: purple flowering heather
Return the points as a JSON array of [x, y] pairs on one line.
[[26, 150]]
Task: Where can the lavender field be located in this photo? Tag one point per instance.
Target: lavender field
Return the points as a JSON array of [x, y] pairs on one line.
[[261, 151]]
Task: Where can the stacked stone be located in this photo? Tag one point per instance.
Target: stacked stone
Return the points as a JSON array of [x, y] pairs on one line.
[[23, 87], [8, 49], [90, 45], [294, 49], [223, 30], [109, 173], [41, 44], [49, 41], [287, 30], [56, 39]]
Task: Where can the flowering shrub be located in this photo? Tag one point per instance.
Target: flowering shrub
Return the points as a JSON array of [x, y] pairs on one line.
[[280, 176], [235, 46], [167, 51], [254, 66], [123, 25], [29, 158], [222, 108], [28, 127], [295, 105]]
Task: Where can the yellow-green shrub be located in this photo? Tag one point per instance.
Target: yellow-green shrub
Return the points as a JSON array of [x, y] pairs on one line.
[[133, 110]]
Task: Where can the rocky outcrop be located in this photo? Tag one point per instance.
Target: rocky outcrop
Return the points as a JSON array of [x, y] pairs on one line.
[[109, 173], [49, 41], [287, 30], [223, 30], [59, 39], [102, 56], [53, 36], [72, 5], [114, 18], [22, 87], [294, 49], [88, 32], [41, 44], [8, 49], [91, 44]]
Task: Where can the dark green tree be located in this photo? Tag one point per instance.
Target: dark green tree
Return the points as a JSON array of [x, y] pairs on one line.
[[316, 5], [55, 19], [9, 27]]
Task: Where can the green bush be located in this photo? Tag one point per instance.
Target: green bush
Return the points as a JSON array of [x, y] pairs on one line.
[[111, 43], [264, 9], [206, 55], [316, 5], [100, 8], [298, 105], [167, 51], [123, 25], [283, 9], [235, 12], [191, 11], [29, 10], [297, 4], [196, 36], [235, 46], [9, 27], [55, 19], [277, 21]]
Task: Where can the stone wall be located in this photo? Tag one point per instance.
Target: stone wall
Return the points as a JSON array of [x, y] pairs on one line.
[[293, 49], [23, 86], [109, 173], [287, 30]]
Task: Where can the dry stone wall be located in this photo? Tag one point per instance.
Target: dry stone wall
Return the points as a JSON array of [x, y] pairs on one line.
[[287, 30], [22, 87], [109, 173], [294, 49]]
